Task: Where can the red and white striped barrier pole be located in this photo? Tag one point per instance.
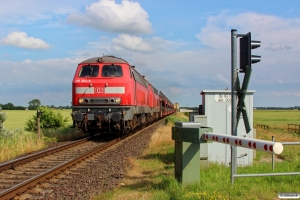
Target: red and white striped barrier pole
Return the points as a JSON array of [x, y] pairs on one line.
[[261, 145]]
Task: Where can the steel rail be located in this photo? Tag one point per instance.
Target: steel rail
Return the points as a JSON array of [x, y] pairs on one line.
[[33, 181]]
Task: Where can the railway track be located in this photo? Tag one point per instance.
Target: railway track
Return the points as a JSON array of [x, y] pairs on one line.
[[20, 175]]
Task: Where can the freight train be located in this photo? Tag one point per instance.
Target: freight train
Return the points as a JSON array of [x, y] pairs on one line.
[[110, 96]]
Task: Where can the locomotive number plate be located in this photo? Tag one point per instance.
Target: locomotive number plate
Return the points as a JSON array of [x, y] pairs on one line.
[[99, 90]]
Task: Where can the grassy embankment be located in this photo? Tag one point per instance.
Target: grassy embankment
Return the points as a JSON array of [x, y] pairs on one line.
[[152, 176], [17, 144]]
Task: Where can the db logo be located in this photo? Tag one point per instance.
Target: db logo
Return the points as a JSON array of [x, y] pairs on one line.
[[99, 90]]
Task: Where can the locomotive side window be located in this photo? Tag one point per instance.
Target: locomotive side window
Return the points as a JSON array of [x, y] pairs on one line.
[[112, 71], [89, 71]]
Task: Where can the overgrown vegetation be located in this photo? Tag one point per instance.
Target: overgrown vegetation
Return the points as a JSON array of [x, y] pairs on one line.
[[62, 134], [3, 117], [18, 144], [48, 120], [152, 176], [171, 119], [14, 141], [5, 133]]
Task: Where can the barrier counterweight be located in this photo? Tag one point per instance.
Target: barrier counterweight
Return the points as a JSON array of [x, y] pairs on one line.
[[261, 145]]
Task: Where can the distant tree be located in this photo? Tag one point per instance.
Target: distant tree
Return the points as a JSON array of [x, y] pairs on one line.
[[34, 104], [8, 106], [52, 106], [19, 108]]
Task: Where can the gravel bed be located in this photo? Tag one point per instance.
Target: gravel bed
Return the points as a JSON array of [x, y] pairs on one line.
[[104, 174]]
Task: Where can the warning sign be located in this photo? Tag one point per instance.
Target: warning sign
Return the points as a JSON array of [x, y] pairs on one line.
[[222, 98]]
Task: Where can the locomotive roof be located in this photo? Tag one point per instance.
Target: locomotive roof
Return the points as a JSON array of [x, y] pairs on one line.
[[109, 59]]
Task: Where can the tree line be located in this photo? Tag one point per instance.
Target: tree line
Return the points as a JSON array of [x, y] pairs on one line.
[[278, 108], [32, 105]]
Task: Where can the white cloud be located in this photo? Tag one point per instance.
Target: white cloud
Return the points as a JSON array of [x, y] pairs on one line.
[[223, 79], [21, 39], [275, 33], [41, 72], [27, 61], [284, 94], [27, 12], [138, 44], [180, 69], [278, 47], [280, 81], [34, 79], [16, 71], [215, 34], [127, 17], [175, 90]]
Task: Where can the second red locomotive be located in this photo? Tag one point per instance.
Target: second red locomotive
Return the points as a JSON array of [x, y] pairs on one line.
[[109, 95]]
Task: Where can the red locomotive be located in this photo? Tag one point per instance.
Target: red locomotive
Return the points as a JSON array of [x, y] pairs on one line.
[[110, 96]]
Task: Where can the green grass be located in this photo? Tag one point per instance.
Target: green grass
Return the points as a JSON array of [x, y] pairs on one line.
[[156, 179], [251, 187]]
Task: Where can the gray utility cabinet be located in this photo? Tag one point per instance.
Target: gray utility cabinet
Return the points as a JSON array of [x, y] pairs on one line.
[[216, 108]]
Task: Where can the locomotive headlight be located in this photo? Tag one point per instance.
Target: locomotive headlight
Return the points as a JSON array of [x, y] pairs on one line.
[[80, 100], [118, 100]]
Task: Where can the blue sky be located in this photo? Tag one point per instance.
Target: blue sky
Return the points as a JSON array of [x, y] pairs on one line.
[[182, 47]]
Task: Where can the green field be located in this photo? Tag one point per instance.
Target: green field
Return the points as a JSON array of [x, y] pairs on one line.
[[17, 118], [276, 118]]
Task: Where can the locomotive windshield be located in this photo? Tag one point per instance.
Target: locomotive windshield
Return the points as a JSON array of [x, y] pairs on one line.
[[89, 71], [112, 71]]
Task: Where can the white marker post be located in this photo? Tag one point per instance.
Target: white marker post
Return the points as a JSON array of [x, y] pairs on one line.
[[261, 145]]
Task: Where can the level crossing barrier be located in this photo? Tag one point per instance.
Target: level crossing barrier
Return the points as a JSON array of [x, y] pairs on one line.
[[261, 145]]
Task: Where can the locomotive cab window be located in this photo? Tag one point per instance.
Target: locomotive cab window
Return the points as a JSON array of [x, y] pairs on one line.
[[112, 71], [89, 71]]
